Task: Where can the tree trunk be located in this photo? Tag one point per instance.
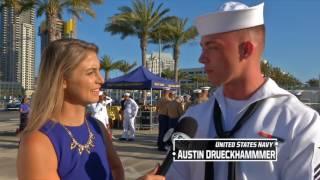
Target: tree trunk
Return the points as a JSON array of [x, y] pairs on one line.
[[53, 33], [176, 54], [106, 75], [143, 47]]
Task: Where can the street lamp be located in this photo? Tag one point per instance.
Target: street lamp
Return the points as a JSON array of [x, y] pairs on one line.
[[159, 56]]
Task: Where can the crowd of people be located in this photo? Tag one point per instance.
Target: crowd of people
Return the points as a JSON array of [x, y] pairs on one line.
[[171, 107]]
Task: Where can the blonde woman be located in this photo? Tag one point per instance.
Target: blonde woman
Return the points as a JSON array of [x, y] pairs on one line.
[[60, 142]]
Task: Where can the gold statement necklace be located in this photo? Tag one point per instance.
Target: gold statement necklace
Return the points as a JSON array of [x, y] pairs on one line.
[[81, 147]]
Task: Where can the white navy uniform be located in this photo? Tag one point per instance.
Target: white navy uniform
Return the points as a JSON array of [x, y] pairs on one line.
[[129, 115], [99, 111], [281, 115]]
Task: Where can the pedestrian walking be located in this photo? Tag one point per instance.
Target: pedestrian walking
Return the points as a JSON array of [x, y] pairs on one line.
[[130, 112]]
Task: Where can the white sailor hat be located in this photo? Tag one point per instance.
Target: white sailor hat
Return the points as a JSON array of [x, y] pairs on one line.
[[100, 93], [173, 92], [126, 94], [206, 88], [197, 91], [230, 16], [166, 88]]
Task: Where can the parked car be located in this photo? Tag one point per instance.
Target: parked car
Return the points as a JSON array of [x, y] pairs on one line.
[[13, 106]]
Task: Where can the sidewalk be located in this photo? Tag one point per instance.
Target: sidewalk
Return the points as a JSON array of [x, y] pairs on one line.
[[140, 156]]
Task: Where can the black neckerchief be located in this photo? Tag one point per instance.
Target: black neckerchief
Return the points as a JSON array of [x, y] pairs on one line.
[[221, 133]]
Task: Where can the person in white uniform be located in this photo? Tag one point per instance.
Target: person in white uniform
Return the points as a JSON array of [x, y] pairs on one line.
[[130, 112], [232, 42], [98, 110]]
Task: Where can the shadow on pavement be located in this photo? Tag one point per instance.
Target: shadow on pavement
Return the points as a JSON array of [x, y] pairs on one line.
[[137, 149], [144, 147], [10, 121], [146, 158], [7, 133], [9, 143], [9, 140], [147, 140], [9, 146]]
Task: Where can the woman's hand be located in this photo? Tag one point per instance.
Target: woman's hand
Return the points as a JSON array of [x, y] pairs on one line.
[[151, 175]]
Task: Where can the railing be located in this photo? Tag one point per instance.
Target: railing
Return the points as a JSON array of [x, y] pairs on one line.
[[143, 120]]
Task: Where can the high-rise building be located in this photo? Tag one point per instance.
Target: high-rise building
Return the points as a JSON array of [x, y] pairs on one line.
[[64, 29], [156, 66], [17, 47], [7, 44]]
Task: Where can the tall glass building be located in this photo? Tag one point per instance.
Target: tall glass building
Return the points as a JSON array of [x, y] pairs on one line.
[[17, 48]]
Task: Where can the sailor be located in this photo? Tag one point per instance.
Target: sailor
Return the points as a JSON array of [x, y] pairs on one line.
[[204, 96], [233, 41], [98, 110], [186, 102], [196, 97], [129, 115]]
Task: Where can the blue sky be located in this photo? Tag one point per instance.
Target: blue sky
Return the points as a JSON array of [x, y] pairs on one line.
[[292, 43]]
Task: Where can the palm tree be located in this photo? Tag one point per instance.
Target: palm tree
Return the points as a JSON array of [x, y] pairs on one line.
[[16, 4], [266, 68], [167, 73], [313, 82], [125, 67], [174, 33], [53, 10], [199, 79], [108, 65], [140, 20]]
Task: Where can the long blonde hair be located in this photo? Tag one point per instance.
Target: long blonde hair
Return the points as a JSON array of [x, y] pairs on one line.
[[58, 60]]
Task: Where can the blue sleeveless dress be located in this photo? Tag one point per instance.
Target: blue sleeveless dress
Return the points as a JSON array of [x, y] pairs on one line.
[[72, 165]]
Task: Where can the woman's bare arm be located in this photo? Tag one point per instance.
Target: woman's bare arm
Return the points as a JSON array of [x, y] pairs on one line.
[[36, 158]]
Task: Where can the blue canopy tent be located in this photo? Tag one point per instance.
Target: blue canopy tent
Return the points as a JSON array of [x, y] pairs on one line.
[[140, 79]]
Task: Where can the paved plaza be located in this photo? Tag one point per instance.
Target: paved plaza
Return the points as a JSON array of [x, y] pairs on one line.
[[138, 157]]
